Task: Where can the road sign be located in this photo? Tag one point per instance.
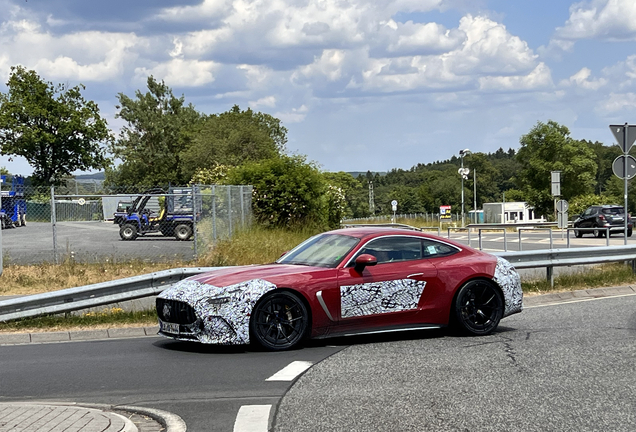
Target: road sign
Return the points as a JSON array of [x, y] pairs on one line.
[[562, 206], [444, 212], [619, 134], [618, 166], [555, 180], [562, 219]]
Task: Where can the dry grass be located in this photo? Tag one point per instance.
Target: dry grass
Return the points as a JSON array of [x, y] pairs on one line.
[[257, 245], [39, 278]]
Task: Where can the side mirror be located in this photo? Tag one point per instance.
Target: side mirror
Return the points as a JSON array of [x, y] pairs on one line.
[[364, 260]]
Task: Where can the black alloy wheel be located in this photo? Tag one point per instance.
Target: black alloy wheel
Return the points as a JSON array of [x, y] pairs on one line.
[[479, 307], [279, 321], [128, 232]]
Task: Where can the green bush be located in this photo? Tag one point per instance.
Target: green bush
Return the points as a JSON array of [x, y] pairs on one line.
[[288, 191]]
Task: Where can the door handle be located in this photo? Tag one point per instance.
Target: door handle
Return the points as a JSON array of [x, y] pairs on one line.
[[414, 275]]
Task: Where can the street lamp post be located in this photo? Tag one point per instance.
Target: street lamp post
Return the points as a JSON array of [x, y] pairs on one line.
[[464, 173]]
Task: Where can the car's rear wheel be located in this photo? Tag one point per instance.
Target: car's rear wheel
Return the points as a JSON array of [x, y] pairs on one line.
[[279, 321], [479, 307], [128, 232], [629, 233], [598, 233], [578, 234], [183, 231]]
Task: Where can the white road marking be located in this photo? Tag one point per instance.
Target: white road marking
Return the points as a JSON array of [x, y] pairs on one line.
[[578, 301], [252, 418], [291, 371]]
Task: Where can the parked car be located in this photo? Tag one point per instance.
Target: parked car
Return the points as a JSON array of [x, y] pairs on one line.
[[344, 282], [602, 216]]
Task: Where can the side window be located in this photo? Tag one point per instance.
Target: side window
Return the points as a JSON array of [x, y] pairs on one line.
[[433, 249], [393, 249]]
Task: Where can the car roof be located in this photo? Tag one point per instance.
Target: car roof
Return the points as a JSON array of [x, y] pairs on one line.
[[368, 232]]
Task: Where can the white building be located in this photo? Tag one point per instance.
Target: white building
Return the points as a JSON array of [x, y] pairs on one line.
[[510, 212]]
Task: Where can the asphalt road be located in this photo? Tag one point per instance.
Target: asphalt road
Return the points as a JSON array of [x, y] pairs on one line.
[[568, 367], [98, 241], [205, 385], [561, 367]]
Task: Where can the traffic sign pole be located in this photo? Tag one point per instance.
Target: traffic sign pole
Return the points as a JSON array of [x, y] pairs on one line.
[[626, 150]]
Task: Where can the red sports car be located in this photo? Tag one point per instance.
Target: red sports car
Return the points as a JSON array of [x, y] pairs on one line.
[[344, 282]]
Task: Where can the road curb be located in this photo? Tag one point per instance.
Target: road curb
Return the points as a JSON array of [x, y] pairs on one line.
[[170, 421], [77, 335]]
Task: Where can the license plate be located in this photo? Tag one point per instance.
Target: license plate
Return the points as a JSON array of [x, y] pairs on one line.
[[169, 327]]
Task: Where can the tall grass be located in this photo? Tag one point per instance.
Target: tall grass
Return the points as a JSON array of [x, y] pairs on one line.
[[255, 245]]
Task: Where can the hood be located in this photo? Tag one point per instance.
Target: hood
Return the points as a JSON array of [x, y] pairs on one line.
[[278, 274]]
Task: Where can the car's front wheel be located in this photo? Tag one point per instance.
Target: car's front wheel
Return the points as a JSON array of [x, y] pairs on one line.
[[479, 307], [279, 321]]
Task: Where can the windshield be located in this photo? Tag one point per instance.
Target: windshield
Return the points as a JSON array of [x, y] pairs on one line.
[[323, 250]]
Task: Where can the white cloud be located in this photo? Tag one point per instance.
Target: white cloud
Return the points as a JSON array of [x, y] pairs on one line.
[[179, 72], [85, 56], [539, 79], [618, 102], [600, 19], [295, 115], [268, 101], [582, 80]]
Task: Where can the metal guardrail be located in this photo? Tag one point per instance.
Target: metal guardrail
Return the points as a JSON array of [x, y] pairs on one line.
[[72, 299], [513, 225], [550, 258]]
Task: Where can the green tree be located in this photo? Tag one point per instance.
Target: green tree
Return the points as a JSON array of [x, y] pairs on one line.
[[233, 138], [356, 196], [288, 191], [52, 126], [549, 147], [159, 127]]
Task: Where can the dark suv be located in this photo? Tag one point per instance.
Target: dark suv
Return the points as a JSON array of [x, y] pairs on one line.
[[602, 216]]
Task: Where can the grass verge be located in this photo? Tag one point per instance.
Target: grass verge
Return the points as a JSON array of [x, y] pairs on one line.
[[605, 275], [107, 318]]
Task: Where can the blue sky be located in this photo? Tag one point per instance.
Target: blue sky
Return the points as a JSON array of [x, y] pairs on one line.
[[361, 85]]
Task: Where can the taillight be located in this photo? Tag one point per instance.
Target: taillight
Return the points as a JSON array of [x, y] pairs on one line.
[[601, 217]]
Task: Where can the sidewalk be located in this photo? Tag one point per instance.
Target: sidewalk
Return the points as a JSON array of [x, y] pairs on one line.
[[72, 417]]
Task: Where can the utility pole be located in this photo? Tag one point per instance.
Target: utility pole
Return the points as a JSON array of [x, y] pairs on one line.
[[464, 174]]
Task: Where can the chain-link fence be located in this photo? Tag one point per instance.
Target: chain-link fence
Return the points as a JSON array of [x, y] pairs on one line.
[[92, 223]]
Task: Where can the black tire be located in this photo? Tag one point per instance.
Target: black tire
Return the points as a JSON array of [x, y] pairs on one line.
[[183, 232], [478, 307], [578, 233], [23, 220], [597, 233], [128, 232], [279, 321], [629, 233]]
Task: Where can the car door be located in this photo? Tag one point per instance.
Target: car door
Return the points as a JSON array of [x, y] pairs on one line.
[[387, 294]]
